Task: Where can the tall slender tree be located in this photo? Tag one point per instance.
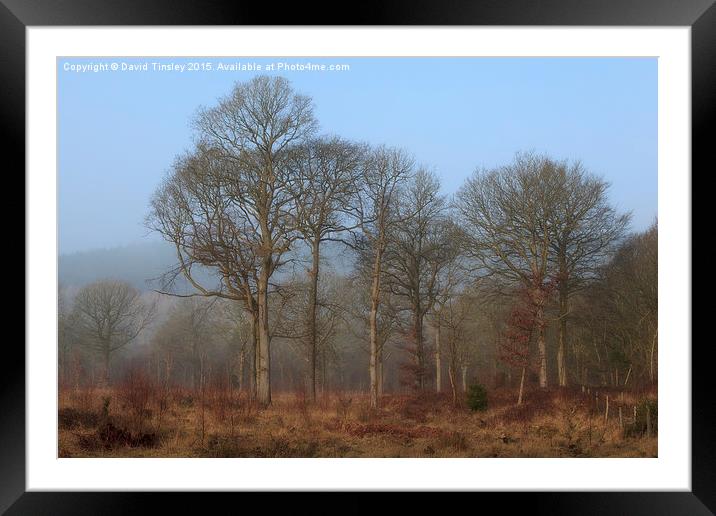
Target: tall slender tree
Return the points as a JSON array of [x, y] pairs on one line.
[[385, 172], [326, 181], [422, 244]]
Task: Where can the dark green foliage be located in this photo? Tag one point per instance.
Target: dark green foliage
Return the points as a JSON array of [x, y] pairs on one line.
[[477, 397]]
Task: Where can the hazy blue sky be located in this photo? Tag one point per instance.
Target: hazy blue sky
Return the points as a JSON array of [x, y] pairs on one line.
[[119, 131]]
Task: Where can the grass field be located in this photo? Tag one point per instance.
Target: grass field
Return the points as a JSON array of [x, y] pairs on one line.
[[139, 422]]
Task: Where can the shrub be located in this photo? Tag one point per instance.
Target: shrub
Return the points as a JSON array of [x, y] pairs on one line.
[[106, 400], [639, 426], [454, 440], [343, 407], [223, 447], [365, 413], [136, 392], [477, 397], [112, 436], [415, 408], [72, 418]]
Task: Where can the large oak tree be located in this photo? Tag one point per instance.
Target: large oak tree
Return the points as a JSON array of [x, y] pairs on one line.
[[240, 206]]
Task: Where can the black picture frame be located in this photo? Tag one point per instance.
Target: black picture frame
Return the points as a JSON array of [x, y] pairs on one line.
[[700, 15]]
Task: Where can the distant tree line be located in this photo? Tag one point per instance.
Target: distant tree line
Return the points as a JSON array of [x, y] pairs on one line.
[[526, 274]]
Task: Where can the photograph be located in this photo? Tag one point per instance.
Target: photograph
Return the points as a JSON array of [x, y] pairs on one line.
[[357, 257]]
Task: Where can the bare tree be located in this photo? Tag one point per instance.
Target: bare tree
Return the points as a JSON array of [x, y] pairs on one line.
[[585, 230], [247, 221], [193, 211], [449, 280], [237, 334], [290, 323], [358, 315], [111, 314], [422, 243], [507, 214], [326, 178], [65, 338], [453, 318], [168, 350], [385, 172], [189, 327], [616, 316]]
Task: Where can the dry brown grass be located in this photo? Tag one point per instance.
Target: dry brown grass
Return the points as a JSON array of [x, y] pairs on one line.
[[131, 422]]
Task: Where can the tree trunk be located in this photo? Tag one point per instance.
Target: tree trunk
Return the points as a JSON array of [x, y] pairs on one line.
[[651, 357], [242, 366], [263, 388], [167, 373], [64, 363], [464, 378], [105, 366], [522, 386], [255, 354], [453, 386], [494, 371], [281, 372], [561, 350], [324, 373], [312, 304], [373, 321], [419, 356], [380, 374], [196, 371], [541, 347], [438, 387]]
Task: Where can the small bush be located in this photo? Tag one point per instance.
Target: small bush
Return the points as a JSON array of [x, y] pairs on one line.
[[343, 407], [415, 408], [72, 418], [639, 426], [365, 413], [186, 401], [454, 440], [112, 436], [106, 400], [477, 397], [136, 392], [246, 411], [223, 447]]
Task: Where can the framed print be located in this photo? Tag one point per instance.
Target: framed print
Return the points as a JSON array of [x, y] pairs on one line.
[[419, 252]]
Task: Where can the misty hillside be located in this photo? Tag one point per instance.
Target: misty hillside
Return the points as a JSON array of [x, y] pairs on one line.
[[138, 264]]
